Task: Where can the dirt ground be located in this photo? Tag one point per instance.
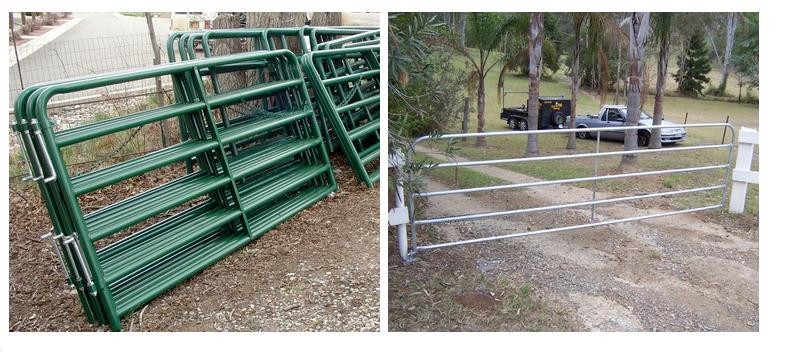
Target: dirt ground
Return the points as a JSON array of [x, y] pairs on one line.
[[317, 271], [695, 272]]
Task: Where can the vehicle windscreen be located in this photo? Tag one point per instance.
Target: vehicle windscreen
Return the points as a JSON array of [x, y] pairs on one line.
[[643, 115]]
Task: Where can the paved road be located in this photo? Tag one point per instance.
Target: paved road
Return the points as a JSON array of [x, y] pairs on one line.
[[101, 42]]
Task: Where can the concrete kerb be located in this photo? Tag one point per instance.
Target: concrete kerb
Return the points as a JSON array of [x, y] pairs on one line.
[[30, 47]]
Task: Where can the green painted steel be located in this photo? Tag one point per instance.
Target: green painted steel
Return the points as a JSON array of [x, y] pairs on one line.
[[248, 177], [347, 86], [183, 46]]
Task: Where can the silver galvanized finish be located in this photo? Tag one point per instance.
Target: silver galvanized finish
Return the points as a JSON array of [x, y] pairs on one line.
[[414, 247]]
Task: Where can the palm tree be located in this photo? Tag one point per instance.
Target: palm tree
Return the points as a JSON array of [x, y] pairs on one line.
[[534, 46], [639, 23], [485, 32], [598, 25], [662, 30]]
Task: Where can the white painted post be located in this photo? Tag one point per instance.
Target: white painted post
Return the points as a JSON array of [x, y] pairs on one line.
[[742, 174], [399, 215]]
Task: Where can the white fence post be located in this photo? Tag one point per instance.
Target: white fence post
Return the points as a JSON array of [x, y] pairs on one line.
[[742, 174], [399, 216]]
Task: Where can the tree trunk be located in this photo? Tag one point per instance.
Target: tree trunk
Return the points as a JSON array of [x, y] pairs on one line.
[[731, 23], [466, 117], [165, 125], [462, 28], [658, 101], [638, 35], [713, 46], [480, 141], [534, 47], [572, 137], [682, 63], [617, 74], [446, 18]]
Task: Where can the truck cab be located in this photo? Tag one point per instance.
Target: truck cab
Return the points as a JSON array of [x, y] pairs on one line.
[[615, 116]]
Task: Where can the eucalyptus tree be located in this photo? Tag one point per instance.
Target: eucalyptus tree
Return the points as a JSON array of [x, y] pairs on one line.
[[639, 26], [732, 22], [662, 31]]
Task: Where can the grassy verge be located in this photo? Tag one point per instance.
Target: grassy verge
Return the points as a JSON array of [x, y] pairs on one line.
[[459, 177]]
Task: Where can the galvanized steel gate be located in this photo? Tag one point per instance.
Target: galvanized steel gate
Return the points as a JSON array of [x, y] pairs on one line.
[[405, 212]]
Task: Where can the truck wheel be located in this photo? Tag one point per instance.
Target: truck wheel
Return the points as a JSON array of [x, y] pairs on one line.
[[583, 134], [522, 124], [643, 138], [558, 119], [512, 123]]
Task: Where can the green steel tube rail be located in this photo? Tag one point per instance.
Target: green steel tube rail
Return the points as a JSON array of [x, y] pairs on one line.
[[271, 39], [358, 39]]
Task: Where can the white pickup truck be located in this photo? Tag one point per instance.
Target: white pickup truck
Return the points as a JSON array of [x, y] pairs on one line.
[[615, 115]]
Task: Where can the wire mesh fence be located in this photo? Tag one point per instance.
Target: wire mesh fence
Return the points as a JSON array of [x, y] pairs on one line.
[[69, 59], [75, 58], [64, 59]]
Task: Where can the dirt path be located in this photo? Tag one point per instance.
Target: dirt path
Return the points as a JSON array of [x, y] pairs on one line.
[[674, 273]]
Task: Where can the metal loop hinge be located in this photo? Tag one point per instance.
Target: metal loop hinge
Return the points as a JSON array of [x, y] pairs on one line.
[[72, 241], [53, 240], [25, 144], [40, 139]]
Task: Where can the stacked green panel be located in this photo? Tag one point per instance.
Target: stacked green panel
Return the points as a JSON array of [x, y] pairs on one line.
[[264, 168], [299, 40], [346, 83]]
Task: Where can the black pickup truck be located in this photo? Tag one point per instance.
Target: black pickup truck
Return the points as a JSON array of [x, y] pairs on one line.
[[552, 113]]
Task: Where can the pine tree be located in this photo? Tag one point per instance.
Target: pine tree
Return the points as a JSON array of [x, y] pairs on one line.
[[693, 75]]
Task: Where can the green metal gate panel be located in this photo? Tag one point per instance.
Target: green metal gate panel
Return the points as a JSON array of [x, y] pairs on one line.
[[347, 85], [300, 40], [253, 175]]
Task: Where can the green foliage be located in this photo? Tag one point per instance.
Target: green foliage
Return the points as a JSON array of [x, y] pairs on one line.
[[408, 44], [746, 53], [485, 30], [431, 101], [426, 88], [551, 59], [693, 74], [553, 39]]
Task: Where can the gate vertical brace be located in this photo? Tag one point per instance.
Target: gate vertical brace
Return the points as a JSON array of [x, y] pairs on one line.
[[411, 200], [595, 174]]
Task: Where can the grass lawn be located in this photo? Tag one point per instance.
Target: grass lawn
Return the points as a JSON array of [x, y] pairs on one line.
[[699, 111]]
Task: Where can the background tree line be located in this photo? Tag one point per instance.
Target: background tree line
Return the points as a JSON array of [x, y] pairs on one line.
[[605, 53]]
